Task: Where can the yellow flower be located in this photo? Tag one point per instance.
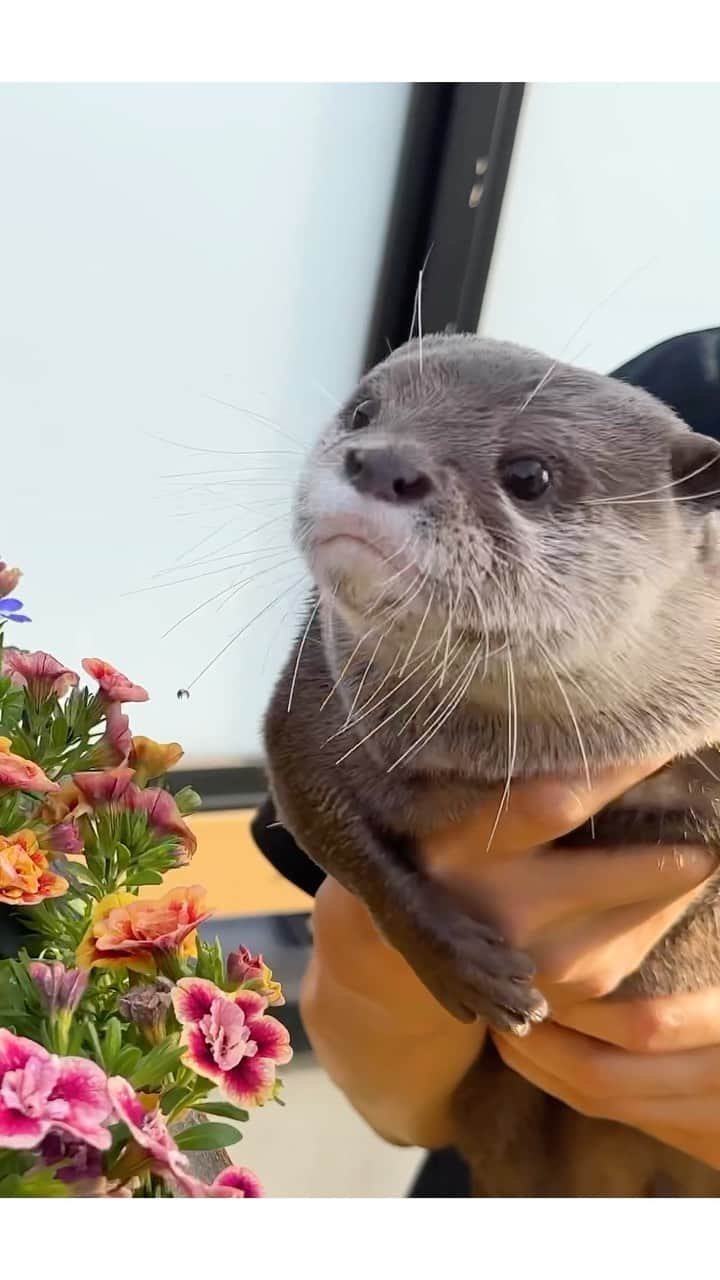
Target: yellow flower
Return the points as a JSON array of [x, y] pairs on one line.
[[151, 759]]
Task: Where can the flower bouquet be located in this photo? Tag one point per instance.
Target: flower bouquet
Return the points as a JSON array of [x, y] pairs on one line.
[[129, 1047]]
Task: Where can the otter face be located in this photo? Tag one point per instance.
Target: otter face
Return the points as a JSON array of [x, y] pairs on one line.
[[516, 500]]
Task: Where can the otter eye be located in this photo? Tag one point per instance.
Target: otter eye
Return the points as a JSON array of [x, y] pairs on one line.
[[525, 478], [362, 415]]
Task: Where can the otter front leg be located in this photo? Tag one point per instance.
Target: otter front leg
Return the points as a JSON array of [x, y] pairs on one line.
[[464, 963]]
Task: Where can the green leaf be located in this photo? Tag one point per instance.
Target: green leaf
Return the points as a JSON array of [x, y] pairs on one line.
[[98, 1052], [112, 1043], [43, 1185], [174, 1097], [157, 1064], [187, 800], [145, 877], [225, 1109], [128, 1060], [123, 856], [208, 1137], [58, 733]]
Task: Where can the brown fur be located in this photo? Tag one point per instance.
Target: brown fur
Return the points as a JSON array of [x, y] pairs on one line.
[[597, 621]]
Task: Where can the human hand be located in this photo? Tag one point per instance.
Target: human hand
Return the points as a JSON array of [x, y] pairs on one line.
[[587, 917]]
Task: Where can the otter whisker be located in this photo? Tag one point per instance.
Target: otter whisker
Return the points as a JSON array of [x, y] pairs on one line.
[[512, 746], [364, 677], [648, 502], [250, 554], [224, 453], [301, 650], [456, 648], [704, 766], [372, 705], [418, 633], [573, 717], [378, 598], [403, 604], [646, 493], [271, 604], [258, 417], [197, 577], [387, 719], [453, 704], [345, 669], [392, 609], [228, 591]]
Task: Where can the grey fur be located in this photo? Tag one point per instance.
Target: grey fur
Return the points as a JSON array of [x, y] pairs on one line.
[[501, 640]]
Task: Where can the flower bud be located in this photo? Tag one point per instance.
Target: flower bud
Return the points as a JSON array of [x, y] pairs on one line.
[[61, 989], [147, 1006]]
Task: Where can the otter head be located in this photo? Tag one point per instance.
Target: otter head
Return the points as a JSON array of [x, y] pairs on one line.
[[483, 496]]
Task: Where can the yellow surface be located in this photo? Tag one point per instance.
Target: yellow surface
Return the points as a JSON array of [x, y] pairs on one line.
[[238, 879]]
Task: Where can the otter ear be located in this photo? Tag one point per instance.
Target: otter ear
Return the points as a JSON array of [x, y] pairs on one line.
[[695, 462]]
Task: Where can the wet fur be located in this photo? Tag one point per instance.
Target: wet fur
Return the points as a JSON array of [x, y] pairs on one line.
[[620, 599]]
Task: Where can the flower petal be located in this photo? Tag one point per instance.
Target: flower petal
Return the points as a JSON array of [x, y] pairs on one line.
[[16, 1051], [192, 998], [241, 1179], [250, 1083], [272, 1039], [252, 1003], [126, 1104], [198, 1056], [18, 1131], [84, 1084]]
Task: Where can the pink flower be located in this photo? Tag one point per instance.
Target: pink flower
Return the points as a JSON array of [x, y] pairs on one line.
[[42, 673], [229, 1039], [19, 774], [148, 1128], [247, 970], [234, 1183], [243, 966], [104, 786], [163, 816], [116, 742], [114, 686], [9, 579], [40, 1093], [116, 786]]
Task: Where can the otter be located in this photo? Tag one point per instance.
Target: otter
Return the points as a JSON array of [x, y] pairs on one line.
[[516, 568]]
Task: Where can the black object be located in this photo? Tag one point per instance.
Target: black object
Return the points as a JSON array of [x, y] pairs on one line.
[[684, 372], [451, 181]]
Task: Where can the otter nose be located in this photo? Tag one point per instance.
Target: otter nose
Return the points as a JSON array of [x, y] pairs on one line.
[[385, 474]]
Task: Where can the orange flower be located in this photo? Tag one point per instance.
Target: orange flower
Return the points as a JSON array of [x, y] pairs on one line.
[[143, 936], [151, 759], [25, 873], [64, 803]]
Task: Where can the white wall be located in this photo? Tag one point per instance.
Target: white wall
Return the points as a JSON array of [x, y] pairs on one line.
[[159, 244], [606, 178]]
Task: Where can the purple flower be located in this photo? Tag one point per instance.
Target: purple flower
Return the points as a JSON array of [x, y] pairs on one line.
[[80, 1162], [61, 989], [63, 837], [9, 611]]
